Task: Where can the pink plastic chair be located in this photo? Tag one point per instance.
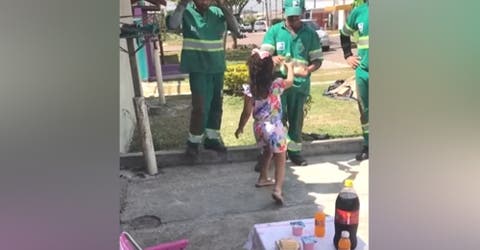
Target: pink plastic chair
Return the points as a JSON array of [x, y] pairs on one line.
[[128, 243]]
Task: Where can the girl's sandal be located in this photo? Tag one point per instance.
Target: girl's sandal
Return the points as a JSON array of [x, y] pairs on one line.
[[267, 183]]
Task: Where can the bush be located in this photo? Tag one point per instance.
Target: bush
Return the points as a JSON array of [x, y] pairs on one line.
[[235, 76], [240, 54]]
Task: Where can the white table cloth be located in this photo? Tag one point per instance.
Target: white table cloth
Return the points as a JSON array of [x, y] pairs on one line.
[[263, 236]]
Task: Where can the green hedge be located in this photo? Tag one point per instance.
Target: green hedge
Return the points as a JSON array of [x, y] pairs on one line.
[[235, 76]]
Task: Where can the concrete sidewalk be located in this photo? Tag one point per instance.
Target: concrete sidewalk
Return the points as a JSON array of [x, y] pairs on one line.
[[215, 206]]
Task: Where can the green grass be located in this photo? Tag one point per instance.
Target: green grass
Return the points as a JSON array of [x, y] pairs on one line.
[[172, 38], [232, 108], [332, 32], [337, 118], [331, 75]]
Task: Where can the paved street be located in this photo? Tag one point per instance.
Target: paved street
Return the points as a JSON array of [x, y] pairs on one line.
[[334, 55], [215, 206]]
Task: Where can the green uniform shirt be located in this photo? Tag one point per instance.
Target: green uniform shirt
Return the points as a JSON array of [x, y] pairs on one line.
[[302, 48], [358, 21], [203, 49]]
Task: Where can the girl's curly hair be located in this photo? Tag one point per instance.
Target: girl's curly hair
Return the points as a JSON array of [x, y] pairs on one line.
[[260, 74]]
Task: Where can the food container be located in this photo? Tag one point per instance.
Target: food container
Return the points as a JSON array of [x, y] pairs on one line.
[[308, 242], [297, 227]]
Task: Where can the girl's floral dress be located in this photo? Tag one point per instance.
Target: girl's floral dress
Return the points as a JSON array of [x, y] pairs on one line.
[[267, 115]]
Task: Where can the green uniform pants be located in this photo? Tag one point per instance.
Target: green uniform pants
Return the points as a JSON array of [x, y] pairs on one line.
[[292, 105], [206, 105], [362, 77]]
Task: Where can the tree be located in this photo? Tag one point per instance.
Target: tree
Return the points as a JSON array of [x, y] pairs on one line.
[[236, 6], [250, 19]]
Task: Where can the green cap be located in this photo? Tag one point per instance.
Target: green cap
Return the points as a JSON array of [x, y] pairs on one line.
[[294, 7]]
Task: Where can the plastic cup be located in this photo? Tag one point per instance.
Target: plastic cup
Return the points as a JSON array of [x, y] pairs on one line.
[[308, 242], [308, 246], [297, 230]]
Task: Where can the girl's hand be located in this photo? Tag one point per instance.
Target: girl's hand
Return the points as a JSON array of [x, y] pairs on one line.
[[289, 65], [238, 132], [301, 71], [277, 60]]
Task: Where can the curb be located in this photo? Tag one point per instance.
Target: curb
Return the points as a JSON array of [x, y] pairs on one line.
[[170, 158]]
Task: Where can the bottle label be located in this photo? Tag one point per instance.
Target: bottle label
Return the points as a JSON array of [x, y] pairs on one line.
[[319, 223], [346, 217]]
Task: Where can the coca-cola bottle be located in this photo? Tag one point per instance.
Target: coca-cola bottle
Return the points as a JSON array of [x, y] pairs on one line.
[[347, 208]]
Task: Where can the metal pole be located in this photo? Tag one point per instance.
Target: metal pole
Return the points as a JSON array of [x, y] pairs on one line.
[[141, 113], [158, 70], [161, 50]]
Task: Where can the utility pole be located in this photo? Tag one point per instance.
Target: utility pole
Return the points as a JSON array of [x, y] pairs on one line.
[[266, 13], [142, 113], [131, 32]]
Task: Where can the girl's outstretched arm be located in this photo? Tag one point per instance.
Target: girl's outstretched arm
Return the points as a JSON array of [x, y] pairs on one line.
[[246, 113]]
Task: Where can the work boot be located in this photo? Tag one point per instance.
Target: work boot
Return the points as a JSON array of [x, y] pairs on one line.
[[362, 155], [192, 149], [297, 159], [214, 144], [258, 167]]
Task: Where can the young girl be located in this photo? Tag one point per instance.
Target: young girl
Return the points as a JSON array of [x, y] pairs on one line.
[[262, 97]]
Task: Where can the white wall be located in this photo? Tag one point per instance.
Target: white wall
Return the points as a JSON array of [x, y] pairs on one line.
[[127, 111]]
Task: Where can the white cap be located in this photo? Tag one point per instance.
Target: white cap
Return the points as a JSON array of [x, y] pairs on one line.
[[345, 234]]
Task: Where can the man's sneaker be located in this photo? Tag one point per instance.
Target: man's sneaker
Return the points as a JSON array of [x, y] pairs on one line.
[[258, 167], [192, 149], [298, 160], [214, 144], [362, 155]]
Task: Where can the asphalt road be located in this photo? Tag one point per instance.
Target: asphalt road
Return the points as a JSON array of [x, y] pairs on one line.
[[215, 206], [334, 55]]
